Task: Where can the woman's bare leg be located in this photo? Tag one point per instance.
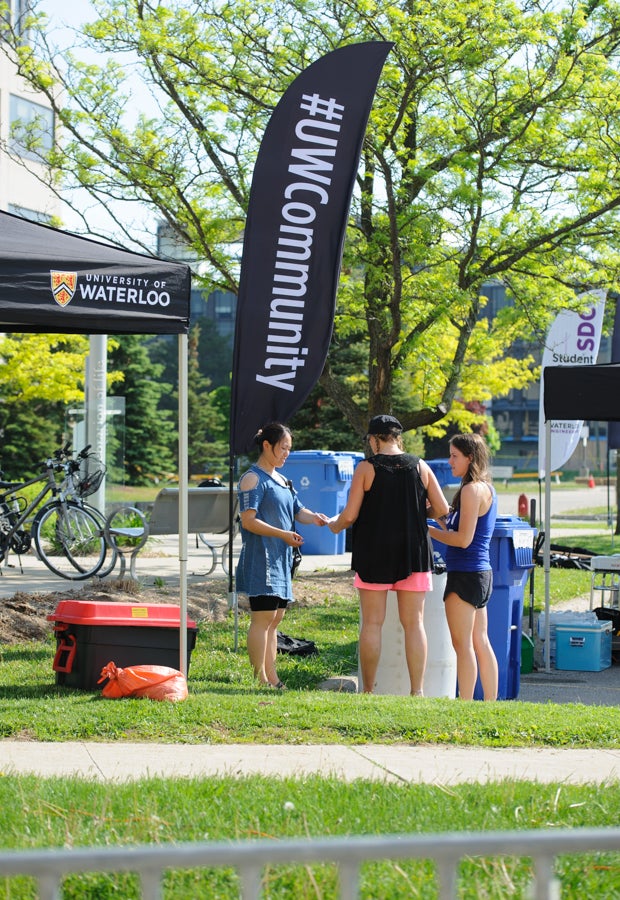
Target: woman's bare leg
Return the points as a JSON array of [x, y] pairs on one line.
[[373, 606], [272, 648], [411, 615], [487, 661], [258, 641], [461, 616]]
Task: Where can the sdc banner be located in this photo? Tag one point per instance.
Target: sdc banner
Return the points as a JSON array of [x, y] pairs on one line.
[[573, 340], [297, 216]]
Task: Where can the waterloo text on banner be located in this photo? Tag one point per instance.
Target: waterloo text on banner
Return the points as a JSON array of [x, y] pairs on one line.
[[299, 204], [52, 281], [573, 340]]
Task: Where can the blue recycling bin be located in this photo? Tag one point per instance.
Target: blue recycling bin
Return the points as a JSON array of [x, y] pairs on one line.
[[441, 470], [322, 479], [512, 546], [443, 473]]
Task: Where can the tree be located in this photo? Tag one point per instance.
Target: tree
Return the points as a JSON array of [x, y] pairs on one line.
[[150, 434], [493, 152], [40, 374], [42, 367], [207, 427]]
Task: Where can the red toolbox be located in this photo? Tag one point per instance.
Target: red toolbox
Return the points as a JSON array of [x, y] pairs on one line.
[[89, 635]]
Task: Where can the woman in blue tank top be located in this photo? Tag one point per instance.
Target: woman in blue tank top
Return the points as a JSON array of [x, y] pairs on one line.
[[467, 531]]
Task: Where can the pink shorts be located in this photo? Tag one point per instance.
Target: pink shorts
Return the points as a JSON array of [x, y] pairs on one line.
[[417, 581]]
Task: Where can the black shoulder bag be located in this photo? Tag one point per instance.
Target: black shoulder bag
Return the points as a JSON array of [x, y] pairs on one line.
[[296, 551]]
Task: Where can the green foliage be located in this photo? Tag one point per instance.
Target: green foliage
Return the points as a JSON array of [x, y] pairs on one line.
[[42, 367], [150, 435], [490, 156], [319, 424], [207, 427], [39, 375], [30, 431]]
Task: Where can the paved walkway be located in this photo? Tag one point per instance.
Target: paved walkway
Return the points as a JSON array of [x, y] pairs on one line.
[[436, 764]]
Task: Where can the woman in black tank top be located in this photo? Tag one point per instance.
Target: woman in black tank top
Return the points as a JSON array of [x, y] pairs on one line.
[[387, 506]]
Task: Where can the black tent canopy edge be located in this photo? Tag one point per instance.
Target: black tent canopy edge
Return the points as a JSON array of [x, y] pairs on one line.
[[582, 392], [52, 281]]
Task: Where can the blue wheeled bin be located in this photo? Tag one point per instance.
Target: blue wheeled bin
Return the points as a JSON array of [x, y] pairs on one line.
[[322, 479], [441, 470], [512, 548], [443, 473]]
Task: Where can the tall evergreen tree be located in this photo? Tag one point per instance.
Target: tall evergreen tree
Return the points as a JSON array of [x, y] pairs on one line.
[[150, 432], [207, 427], [30, 431]]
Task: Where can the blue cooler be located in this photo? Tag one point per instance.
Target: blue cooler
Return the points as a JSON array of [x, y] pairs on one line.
[[322, 479]]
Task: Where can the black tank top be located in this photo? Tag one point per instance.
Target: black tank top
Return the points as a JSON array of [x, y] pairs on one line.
[[390, 538]]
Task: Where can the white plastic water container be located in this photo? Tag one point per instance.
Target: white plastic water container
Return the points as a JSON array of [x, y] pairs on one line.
[[440, 675]]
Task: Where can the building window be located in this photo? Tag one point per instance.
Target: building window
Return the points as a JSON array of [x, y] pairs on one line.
[[14, 15], [32, 128], [32, 215]]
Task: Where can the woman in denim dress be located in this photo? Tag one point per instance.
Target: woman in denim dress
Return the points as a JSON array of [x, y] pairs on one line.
[[269, 507]]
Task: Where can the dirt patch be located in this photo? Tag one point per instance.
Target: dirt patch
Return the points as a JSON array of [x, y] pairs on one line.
[[23, 616]]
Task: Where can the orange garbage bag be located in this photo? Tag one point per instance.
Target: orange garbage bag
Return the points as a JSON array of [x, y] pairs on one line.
[[153, 682]]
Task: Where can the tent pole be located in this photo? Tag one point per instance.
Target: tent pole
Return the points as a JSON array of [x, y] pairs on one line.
[[96, 407], [233, 601], [547, 543], [183, 500]]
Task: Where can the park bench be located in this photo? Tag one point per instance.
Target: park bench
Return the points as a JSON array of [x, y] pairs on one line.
[[208, 519]]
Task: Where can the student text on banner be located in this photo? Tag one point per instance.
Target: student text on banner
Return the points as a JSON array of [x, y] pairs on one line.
[[573, 339]]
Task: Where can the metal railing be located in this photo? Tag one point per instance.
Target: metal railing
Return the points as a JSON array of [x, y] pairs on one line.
[[49, 867]]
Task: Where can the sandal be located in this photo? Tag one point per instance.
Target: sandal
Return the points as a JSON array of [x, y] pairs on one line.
[[280, 686]]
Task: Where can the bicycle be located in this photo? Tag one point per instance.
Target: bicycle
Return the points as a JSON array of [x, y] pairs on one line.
[[83, 477], [68, 536]]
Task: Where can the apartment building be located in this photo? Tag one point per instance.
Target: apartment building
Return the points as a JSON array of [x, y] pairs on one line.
[[21, 189]]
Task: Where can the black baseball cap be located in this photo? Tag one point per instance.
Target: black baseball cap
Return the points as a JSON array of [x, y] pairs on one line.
[[383, 425]]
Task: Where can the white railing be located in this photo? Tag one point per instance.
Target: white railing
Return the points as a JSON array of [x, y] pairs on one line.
[[49, 867]]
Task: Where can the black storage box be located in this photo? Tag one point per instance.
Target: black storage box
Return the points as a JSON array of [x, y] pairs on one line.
[[90, 635]]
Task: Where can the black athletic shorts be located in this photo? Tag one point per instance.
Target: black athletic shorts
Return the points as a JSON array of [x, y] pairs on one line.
[[266, 602], [472, 587]]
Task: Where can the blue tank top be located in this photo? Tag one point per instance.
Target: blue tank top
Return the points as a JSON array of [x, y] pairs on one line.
[[476, 557]]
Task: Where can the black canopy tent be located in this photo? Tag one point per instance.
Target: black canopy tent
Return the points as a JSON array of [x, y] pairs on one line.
[[55, 282], [574, 392], [582, 392]]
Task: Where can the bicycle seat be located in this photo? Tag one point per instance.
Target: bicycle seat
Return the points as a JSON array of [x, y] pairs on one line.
[[9, 485]]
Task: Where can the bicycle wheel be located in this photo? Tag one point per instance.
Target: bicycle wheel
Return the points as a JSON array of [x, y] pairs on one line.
[[69, 540], [109, 564]]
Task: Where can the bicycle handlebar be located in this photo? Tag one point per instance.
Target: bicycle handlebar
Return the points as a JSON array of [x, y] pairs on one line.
[[61, 458]]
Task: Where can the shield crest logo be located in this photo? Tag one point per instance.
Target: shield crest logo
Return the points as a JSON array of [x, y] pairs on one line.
[[63, 286]]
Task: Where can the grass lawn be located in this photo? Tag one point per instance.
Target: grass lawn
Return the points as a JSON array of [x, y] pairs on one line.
[[225, 706], [59, 813]]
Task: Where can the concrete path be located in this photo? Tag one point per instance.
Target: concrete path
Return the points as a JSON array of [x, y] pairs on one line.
[[32, 576], [437, 764]]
